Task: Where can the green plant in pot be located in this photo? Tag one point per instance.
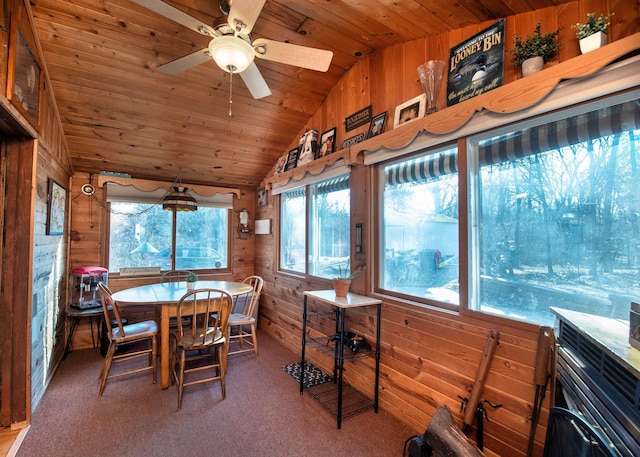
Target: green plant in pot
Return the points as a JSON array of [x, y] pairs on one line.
[[342, 282], [191, 278], [538, 46], [593, 33]]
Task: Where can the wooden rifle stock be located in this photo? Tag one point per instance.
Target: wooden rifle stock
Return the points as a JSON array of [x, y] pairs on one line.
[[481, 377]]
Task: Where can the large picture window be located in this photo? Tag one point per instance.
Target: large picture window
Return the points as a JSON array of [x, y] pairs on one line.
[[319, 213], [419, 255], [557, 221], [142, 234]]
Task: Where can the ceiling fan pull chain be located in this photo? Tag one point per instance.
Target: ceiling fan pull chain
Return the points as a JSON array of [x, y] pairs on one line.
[[230, 91]]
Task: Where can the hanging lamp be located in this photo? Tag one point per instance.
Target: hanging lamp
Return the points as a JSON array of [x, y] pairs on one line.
[[179, 199]]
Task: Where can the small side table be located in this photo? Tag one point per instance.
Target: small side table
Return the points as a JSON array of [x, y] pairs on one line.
[[340, 305], [74, 316]]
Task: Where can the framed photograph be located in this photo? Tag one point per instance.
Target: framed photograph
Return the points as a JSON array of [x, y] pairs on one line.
[[327, 142], [292, 160], [56, 208], [282, 162], [377, 125], [410, 110], [308, 147], [262, 197]]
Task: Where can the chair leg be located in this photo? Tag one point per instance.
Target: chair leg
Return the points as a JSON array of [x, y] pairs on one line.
[[154, 358], [222, 372], [255, 339], [106, 368], [181, 378]]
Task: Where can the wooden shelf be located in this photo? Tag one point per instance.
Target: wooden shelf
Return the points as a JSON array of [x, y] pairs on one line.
[[510, 98], [312, 168]]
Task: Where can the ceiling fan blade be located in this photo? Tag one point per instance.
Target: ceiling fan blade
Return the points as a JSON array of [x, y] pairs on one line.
[[244, 13], [160, 7], [293, 54], [184, 63], [255, 82]]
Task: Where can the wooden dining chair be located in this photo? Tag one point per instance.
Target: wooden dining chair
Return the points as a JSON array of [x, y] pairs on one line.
[[123, 336], [174, 276], [203, 339], [242, 318]]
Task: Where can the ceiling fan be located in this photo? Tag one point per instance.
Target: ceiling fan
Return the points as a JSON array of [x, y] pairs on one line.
[[232, 47]]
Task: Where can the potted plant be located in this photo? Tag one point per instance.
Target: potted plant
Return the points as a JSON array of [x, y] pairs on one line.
[[538, 46], [191, 278], [342, 282], [593, 33]]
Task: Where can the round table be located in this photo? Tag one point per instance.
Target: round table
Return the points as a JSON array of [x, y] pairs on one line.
[[167, 295]]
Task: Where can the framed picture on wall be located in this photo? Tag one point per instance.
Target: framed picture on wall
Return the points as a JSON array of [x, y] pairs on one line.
[[292, 160], [327, 142], [26, 78], [56, 208], [410, 110], [377, 125], [262, 197]]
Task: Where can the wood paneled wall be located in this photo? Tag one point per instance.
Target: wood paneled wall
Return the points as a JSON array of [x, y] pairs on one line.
[[34, 265], [429, 356]]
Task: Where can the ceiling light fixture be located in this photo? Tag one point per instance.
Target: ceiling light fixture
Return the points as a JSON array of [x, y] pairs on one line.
[[231, 53], [179, 199]]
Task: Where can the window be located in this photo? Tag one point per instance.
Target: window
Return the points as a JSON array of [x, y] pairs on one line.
[[327, 227], [557, 219], [141, 234], [419, 227]]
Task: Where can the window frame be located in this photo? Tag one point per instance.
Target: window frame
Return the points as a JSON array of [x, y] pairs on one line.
[[151, 192], [334, 172], [378, 212], [472, 198]]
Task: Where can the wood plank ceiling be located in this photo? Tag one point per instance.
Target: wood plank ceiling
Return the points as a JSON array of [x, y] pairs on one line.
[[120, 114]]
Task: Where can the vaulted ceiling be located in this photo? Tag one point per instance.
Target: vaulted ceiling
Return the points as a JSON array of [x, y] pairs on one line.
[[121, 114]]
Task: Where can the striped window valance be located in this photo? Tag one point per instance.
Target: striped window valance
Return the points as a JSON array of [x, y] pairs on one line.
[[422, 169], [606, 121], [324, 187]]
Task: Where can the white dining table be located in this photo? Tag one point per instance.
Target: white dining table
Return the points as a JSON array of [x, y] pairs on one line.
[[166, 296]]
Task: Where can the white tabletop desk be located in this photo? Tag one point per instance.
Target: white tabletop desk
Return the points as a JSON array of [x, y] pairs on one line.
[[167, 295], [340, 305]]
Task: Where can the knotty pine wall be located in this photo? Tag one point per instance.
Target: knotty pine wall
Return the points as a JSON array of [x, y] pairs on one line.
[[33, 263], [429, 356]]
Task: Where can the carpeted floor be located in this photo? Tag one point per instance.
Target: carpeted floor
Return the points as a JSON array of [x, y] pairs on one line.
[[263, 415]]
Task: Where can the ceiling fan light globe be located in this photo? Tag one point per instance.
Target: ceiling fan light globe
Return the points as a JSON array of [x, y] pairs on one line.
[[231, 53]]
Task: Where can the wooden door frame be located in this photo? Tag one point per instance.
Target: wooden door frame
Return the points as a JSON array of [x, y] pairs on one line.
[[19, 160]]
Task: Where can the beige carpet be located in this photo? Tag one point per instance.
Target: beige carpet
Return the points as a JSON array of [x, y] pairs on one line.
[[263, 415]]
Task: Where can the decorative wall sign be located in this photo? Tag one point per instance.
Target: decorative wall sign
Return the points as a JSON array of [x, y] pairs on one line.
[[362, 117], [327, 142], [353, 140], [410, 110], [56, 208], [476, 65]]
